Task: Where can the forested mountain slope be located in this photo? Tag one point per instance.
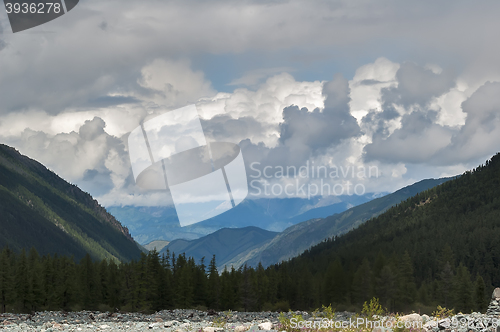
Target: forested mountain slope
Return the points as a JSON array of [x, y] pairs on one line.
[[298, 238], [440, 246], [39, 209]]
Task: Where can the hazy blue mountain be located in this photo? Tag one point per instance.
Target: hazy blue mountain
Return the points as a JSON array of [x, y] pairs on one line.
[[39, 209], [225, 244], [147, 224], [297, 238]]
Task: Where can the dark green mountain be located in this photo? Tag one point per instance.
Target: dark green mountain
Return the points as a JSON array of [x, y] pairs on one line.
[[225, 244], [39, 209], [296, 239]]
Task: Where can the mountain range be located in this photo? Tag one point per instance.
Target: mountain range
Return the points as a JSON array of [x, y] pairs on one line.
[[293, 240], [39, 209], [148, 224]]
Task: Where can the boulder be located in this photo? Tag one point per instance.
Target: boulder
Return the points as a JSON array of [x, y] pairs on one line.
[[444, 323], [411, 318], [496, 293], [266, 326]]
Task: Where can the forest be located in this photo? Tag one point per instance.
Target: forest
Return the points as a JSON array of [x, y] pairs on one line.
[[29, 282]]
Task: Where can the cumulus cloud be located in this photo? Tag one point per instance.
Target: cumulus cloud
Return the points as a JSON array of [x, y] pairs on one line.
[[406, 128], [431, 118], [418, 140], [480, 135], [173, 83], [367, 84], [418, 85], [95, 160], [233, 116], [305, 135], [389, 115], [319, 129]]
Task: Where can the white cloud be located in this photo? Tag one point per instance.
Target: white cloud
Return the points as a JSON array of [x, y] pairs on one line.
[[367, 84], [173, 83]]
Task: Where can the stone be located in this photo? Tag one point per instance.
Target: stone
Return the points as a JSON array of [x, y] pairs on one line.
[[411, 318], [171, 323], [240, 328], [444, 323], [266, 326], [496, 293], [209, 329]]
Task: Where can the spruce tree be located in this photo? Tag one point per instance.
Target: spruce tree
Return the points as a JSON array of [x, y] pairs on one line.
[[335, 286], [361, 284], [480, 300], [22, 282], [5, 279], [213, 300], [407, 288], [463, 290]]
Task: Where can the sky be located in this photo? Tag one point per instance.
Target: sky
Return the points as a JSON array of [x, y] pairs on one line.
[[411, 89]]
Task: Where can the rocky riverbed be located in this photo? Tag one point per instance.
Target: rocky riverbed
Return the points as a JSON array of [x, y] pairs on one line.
[[167, 320], [211, 321]]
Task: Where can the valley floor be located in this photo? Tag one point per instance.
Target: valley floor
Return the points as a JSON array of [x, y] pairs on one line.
[[166, 320]]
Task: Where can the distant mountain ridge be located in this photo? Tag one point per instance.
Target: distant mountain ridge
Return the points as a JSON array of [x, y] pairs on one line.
[[39, 209], [273, 214], [225, 244], [298, 238], [295, 239]]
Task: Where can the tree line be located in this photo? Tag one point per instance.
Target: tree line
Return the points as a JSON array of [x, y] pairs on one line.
[[29, 282]]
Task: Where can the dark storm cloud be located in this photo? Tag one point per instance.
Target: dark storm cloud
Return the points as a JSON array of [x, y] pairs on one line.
[[417, 85], [418, 140], [320, 129], [378, 121]]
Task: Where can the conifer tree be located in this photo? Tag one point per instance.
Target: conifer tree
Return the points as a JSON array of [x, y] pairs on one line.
[[35, 286], [480, 294], [385, 287], [463, 289], [361, 284], [407, 289], [334, 283], [213, 285], [22, 282], [5, 279], [446, 284]]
